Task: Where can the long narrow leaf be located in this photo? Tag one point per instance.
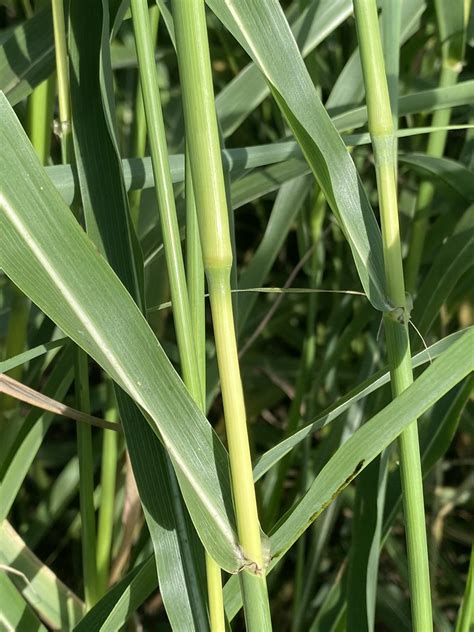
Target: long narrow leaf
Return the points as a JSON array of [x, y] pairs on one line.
[[57, 605], [179, 557], [264, 32], [354, 455], [50, 258]]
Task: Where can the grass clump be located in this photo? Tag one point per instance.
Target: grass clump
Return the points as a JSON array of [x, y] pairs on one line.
[[203, 273]]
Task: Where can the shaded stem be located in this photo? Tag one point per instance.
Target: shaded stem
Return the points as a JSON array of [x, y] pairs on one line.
[[81, 377], [139, 122], [315, 220], [86, 483], [165, 195], [62, 71], [435, 147]]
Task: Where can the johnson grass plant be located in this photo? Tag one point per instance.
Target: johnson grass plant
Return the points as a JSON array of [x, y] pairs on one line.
[[236, 251]]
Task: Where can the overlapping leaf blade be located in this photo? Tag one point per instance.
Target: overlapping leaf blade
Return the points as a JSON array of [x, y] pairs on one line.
[[46, 253], [27, 56], [58, 606], [179, 556], [263, 31], [244, 93], [353, 456], [449, 369]]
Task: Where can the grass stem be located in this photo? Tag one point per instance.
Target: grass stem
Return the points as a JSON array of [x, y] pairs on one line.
[[165, 194], [105, 522], [139, 122], [86, 483], [192, 375], [202, 138], [81, 372], [196, 292], [395, 322], [62, 71]]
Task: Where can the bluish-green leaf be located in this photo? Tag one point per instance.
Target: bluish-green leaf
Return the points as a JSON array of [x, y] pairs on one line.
[[47, 254]]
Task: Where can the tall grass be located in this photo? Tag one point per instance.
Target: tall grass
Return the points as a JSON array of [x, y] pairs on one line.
[[197, 250]]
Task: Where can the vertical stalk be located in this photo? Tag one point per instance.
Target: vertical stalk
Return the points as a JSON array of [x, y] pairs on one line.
[[86, 483], [202, 140], [39, 118], [105, 520], [81, 377], [192, 376], [139, 122], [452, 54], [195, 280], [165, 194], [62, 71], [196, 291], [435, 147], [396, 322]]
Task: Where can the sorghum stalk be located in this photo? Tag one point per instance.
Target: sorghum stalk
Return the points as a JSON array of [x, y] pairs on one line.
[[396, 322], [81, 377], [202, 139], [172, 244]]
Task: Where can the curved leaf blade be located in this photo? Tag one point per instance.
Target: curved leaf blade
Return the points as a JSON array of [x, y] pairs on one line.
[[46, 253], [263, 31], [354, 455]]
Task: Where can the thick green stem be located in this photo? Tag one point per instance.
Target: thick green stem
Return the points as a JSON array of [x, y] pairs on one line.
[[195, 280], [395, 322], [202, 139], [196, 292], [253, 580], [192, 375], [232, 394]]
